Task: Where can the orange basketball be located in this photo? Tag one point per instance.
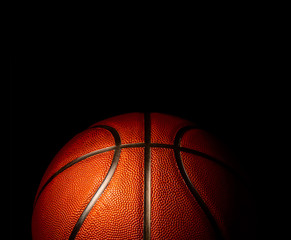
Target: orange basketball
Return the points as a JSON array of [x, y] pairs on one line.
[[142, 176]]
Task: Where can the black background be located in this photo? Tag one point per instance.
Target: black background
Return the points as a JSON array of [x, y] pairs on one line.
[[65, 78]]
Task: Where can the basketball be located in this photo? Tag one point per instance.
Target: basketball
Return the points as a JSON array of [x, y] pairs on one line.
[[143, 176]]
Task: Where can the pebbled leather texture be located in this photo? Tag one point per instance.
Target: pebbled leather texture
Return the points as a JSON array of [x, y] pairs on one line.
[[175, 212], [119, 211], [81, 167]]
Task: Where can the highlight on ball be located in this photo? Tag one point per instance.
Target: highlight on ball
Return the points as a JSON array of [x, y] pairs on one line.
[[143, 176]]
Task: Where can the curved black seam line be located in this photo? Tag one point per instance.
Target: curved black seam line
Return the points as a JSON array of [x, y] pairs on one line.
[[97, 194], [132, 145], [231, 170], [189, 184], [117, 142], [103, 185], [176, 147], [114, 133], [70, 164]]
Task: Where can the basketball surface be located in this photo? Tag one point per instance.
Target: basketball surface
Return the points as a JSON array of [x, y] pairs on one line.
[[142, 176]]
